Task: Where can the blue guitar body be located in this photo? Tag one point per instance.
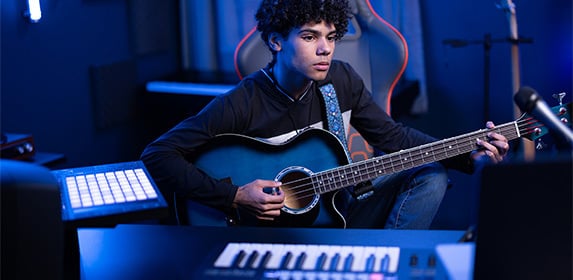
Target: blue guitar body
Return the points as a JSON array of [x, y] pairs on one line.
[[242, 159]]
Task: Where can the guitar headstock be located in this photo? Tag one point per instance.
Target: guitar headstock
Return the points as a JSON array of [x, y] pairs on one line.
[[533, 129], [507, 6]]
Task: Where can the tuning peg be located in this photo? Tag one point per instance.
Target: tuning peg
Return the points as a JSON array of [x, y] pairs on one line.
[[559, 97]]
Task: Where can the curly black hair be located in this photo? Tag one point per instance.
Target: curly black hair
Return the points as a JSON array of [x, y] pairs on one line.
[[282, 16]]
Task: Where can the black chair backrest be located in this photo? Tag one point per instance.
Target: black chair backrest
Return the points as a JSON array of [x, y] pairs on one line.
[[376, 50]]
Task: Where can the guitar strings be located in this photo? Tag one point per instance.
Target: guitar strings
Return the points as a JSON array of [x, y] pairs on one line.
[[525, 125]]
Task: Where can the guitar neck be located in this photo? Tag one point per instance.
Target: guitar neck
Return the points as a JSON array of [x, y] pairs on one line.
[[365, 170]]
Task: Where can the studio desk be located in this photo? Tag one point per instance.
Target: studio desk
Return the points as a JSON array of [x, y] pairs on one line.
[[184, 252]]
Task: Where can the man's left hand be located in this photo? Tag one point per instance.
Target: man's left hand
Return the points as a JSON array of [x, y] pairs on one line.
[[495, 148]]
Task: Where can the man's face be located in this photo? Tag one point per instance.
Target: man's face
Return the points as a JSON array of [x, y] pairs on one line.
[[308, 51]]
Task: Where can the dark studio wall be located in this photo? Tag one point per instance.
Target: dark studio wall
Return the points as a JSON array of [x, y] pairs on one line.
[[76, 79]]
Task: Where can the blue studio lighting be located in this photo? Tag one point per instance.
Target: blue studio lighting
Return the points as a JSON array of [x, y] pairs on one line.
[[34, 10]]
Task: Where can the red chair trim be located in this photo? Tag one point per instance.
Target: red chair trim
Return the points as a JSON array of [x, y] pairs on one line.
[[236, 55], [403, 68]]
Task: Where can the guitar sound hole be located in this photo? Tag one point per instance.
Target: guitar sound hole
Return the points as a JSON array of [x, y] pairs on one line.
[[298, 190]]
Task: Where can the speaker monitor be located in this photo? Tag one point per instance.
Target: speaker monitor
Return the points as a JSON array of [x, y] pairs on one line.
[[524, 225], [32, 228]]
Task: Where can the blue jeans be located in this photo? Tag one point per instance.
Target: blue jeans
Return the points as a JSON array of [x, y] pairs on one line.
[[405, 200]]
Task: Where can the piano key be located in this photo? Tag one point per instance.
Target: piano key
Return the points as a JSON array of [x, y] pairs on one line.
[[348, 262], [286, 260], [369, 258], [295, 251], [320, 261], [385, 264], [258, 250], [225, 259], [312, 254], [332, 257], [265, 259], [249, 249], [370, 261], [344, 254], [252, 259], [276, 256], [300, 261], [394, 253], [238, 260], [333, 262], [359, 261], [380, 253]]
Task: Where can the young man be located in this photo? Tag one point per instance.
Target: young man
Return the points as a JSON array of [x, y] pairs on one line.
[[282, 100]]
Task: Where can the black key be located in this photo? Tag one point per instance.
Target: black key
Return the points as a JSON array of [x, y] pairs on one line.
[[300, 261], [238, 258], [286, 260], [251, 260], [334, 262], [385, 264], [320, 261], [370, 263], [348, 263], [265, 259]]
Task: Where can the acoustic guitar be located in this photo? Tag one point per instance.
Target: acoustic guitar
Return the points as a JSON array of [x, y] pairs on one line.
[[313, 166]]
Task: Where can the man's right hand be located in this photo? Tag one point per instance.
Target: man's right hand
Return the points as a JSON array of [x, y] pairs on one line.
[[262, 205]]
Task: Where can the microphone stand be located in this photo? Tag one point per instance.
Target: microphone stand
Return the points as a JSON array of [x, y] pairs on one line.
[[487, 43]]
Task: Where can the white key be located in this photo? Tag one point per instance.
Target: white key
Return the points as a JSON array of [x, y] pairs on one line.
[[394, 253], [260, 250], [367, 253], [276, 257], [295, 250], [225, 259], [312, 252], [344, 253], [332, 251], [358, 263], [380, 253]]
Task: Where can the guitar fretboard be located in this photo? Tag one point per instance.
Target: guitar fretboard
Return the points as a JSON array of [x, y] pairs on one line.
[[361, 171]]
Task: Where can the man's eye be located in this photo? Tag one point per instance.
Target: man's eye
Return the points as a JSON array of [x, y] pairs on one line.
[[307, 38]]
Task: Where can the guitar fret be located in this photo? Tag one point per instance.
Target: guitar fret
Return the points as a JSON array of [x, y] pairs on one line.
[[364, 171], [447, 147], [372, 170], [354, 174], [329, 180], [379, 171], [391, 162], [407, 161], [339, 176], [317, 182], [418, 159], [444, 153], [324, 178]]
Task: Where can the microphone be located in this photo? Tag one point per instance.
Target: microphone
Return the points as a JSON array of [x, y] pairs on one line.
[[530, 102]]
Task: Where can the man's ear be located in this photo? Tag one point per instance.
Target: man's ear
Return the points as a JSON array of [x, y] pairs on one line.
[[275, 42]]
